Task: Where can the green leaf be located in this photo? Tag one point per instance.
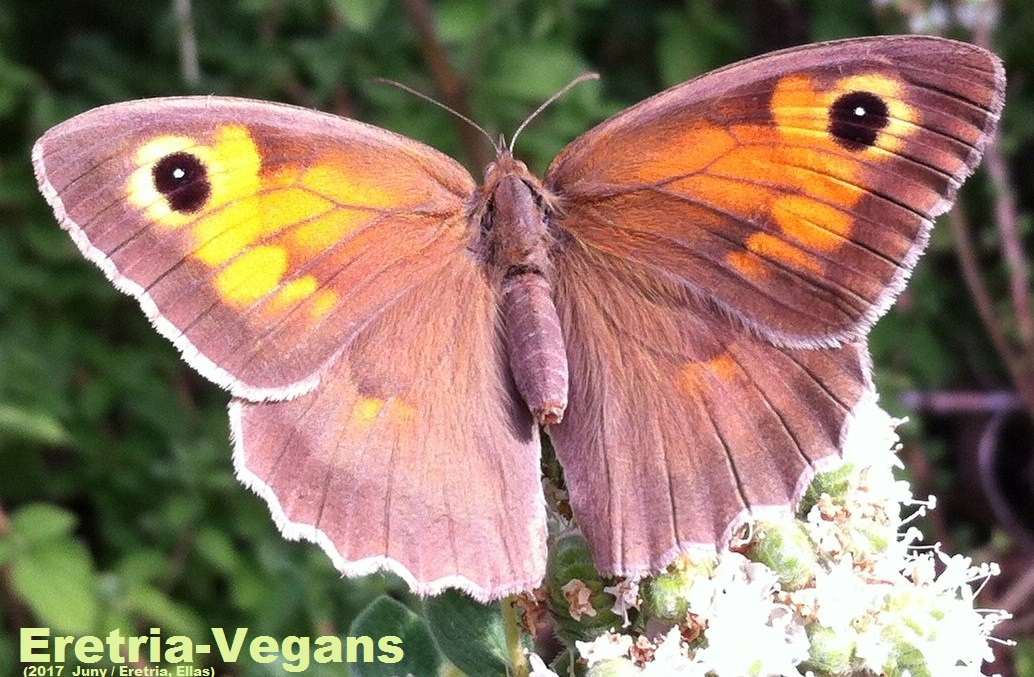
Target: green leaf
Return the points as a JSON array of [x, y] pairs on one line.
[[462, 20], [470, 634], [694, 42], [149, 602], [534, 72], [39, 523], [359, 14], [387, 620], [144, 565], [215, 546], [31, 426], [57, 581]]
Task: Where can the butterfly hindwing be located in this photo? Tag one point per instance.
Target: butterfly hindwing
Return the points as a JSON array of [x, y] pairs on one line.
[[411, 455], [682, 424]]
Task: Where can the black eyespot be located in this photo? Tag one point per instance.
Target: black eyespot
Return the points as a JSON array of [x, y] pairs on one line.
[[856, 120], [183, 180]]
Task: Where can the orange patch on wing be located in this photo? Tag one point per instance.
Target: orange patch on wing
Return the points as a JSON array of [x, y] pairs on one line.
[[291, 295], [698, 376], [273, 227], [318, 234], [322, 303], [779, 188], [814, 224], [351, 186], [321, 205], [749, 265], [367, 409], [774, 247], [690, 152], [798, 174], [293, 213], [766, 248]]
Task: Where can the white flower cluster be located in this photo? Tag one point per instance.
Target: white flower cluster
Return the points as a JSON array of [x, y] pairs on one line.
[[844, 589]]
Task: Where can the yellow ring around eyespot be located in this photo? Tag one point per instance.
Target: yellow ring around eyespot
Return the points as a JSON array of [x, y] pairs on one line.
[[232, 220], [901, 117], [799, 107], [140, 189], [232, 230]]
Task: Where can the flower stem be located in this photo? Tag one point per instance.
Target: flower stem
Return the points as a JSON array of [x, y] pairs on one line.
[[512, 629]]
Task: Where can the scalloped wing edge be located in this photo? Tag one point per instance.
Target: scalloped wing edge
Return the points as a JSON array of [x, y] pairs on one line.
[[300, 531]]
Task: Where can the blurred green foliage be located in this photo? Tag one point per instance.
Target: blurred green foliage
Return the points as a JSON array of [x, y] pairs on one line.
[[120, 506]]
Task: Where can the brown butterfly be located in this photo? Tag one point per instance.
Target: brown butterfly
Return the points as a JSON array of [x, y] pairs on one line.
[[682, 301]]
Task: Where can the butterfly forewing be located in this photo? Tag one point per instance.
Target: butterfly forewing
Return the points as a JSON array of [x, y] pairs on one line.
[[260, 238], [795, 190]]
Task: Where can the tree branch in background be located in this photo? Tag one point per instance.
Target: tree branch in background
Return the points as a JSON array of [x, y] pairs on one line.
[[1012, 245], [449, 83], [190, 70], [1005, 209], [984, 301]]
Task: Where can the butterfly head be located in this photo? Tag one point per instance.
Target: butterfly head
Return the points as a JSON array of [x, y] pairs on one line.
[[505, 164]]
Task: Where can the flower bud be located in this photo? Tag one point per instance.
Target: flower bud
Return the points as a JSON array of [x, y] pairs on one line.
[[576, 598], [836, 483], [613, 667], [831, 652], [785, 548]]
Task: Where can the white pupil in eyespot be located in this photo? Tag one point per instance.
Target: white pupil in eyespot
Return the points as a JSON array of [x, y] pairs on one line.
[[179, 172], [859, 112]]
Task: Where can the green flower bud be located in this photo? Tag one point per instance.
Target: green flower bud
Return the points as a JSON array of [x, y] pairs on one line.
[[786, 549], [869, 538], [666, 596], [830, 653], [576, 598], [614, 667], [836, 483], [905, 657]]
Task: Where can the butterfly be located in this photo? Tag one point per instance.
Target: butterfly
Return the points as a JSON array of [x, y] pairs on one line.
[[681, 303]]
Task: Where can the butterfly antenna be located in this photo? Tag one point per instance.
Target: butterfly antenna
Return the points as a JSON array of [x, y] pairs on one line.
[[584, 77], [425, 97]]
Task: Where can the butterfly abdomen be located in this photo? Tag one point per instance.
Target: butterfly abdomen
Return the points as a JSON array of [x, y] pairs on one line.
[[519, 242], [535, 345]]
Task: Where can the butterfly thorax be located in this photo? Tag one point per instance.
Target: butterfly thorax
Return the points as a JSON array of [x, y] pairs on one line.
[[513, 214]]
